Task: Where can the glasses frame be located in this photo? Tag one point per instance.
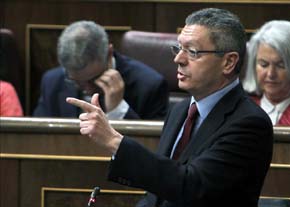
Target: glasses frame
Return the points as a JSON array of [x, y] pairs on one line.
[[192, 53], [77, 83]]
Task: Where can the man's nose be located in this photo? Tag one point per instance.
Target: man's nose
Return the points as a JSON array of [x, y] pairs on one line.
[[272, 71], [181, 57]]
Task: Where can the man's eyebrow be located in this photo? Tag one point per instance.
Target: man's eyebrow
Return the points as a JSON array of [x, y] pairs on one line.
[[186, 31], [187, 44]]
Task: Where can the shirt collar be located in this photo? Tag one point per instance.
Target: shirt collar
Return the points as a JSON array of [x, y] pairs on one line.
[[269, 107], [113, 62], [206, 104]]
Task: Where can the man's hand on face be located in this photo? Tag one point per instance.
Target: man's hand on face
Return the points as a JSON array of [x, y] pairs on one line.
[[113, 86], [94, 124]]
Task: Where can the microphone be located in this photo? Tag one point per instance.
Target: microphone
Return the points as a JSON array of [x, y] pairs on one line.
[[93, 196]]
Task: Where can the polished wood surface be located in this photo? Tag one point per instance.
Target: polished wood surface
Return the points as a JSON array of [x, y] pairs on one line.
[[28, 135], [42, 153]]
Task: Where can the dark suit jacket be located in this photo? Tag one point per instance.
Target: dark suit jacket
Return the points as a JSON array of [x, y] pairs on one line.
[[146, 92], [224, 164]]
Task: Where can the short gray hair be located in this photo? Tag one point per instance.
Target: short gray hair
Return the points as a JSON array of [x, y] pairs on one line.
[[275, 33], [226, 31], [82, 43]]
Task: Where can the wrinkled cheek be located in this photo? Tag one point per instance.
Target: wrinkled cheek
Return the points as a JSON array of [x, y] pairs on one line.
[[185, 84], [260, 79], [285, 89]]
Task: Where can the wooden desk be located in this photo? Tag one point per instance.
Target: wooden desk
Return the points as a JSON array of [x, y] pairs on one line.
[[46, 162]]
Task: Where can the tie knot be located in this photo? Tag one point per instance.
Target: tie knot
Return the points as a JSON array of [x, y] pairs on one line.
[[192, 111]]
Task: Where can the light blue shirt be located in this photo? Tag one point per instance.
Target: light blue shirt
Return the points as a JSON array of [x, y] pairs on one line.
[[204, 106]]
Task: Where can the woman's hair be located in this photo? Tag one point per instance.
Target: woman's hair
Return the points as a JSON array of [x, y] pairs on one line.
[[275, 33]]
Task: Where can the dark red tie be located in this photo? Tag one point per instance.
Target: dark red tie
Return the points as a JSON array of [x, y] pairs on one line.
[[185, 137]]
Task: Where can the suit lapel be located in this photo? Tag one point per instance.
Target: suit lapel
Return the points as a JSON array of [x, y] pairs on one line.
[[65, 108], [172, 126], [212, 123]]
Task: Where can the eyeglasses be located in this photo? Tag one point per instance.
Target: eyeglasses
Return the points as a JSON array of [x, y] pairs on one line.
[[192, 53], [77, 83]]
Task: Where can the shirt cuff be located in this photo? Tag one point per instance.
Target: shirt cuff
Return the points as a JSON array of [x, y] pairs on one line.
[[119, 112], [113, 157]]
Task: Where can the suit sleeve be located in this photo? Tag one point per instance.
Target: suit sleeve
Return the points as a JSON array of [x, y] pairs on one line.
[[239, 154], [42, 108]]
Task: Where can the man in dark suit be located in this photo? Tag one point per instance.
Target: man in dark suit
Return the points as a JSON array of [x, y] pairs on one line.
[[229, 151], [129, 89]]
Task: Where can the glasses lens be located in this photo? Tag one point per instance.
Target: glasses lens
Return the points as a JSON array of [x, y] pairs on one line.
[[192, 53], [175, 49]]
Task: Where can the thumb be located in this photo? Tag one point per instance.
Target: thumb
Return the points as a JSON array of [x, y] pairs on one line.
[[95, 100]]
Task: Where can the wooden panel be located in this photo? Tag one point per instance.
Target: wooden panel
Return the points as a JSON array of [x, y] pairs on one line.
[[9, 180], [168, 21], [277, 181], [54, 197], [281, 153], [62, 174], [57, 144], [34, 174], [38, 153], [50, 136]]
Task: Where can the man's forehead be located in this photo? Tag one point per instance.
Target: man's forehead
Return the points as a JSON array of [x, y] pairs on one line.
[[193, 33], [188, 30]]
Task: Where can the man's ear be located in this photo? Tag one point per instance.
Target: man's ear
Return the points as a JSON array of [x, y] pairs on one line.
[[230, 61]]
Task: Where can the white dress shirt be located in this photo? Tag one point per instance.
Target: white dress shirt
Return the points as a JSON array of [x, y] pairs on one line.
[[274, 111]]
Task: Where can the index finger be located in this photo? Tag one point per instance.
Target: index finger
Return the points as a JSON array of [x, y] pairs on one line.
[[85, 106]]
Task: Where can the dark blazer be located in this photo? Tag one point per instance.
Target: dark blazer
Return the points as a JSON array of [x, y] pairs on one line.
[[146, 92], [224, 164]]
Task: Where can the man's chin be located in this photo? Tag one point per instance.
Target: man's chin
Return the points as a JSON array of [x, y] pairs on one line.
[[182, 85]]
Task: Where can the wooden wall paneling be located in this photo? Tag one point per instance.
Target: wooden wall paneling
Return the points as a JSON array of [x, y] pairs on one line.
[[50, 153], [9, 180], [64, 12], [281, 153], [50, 136], [49, 144], [170, 16], [54, 197], [38, 136], [35, 174], [277, 181], [57, 144], [62, 174]]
